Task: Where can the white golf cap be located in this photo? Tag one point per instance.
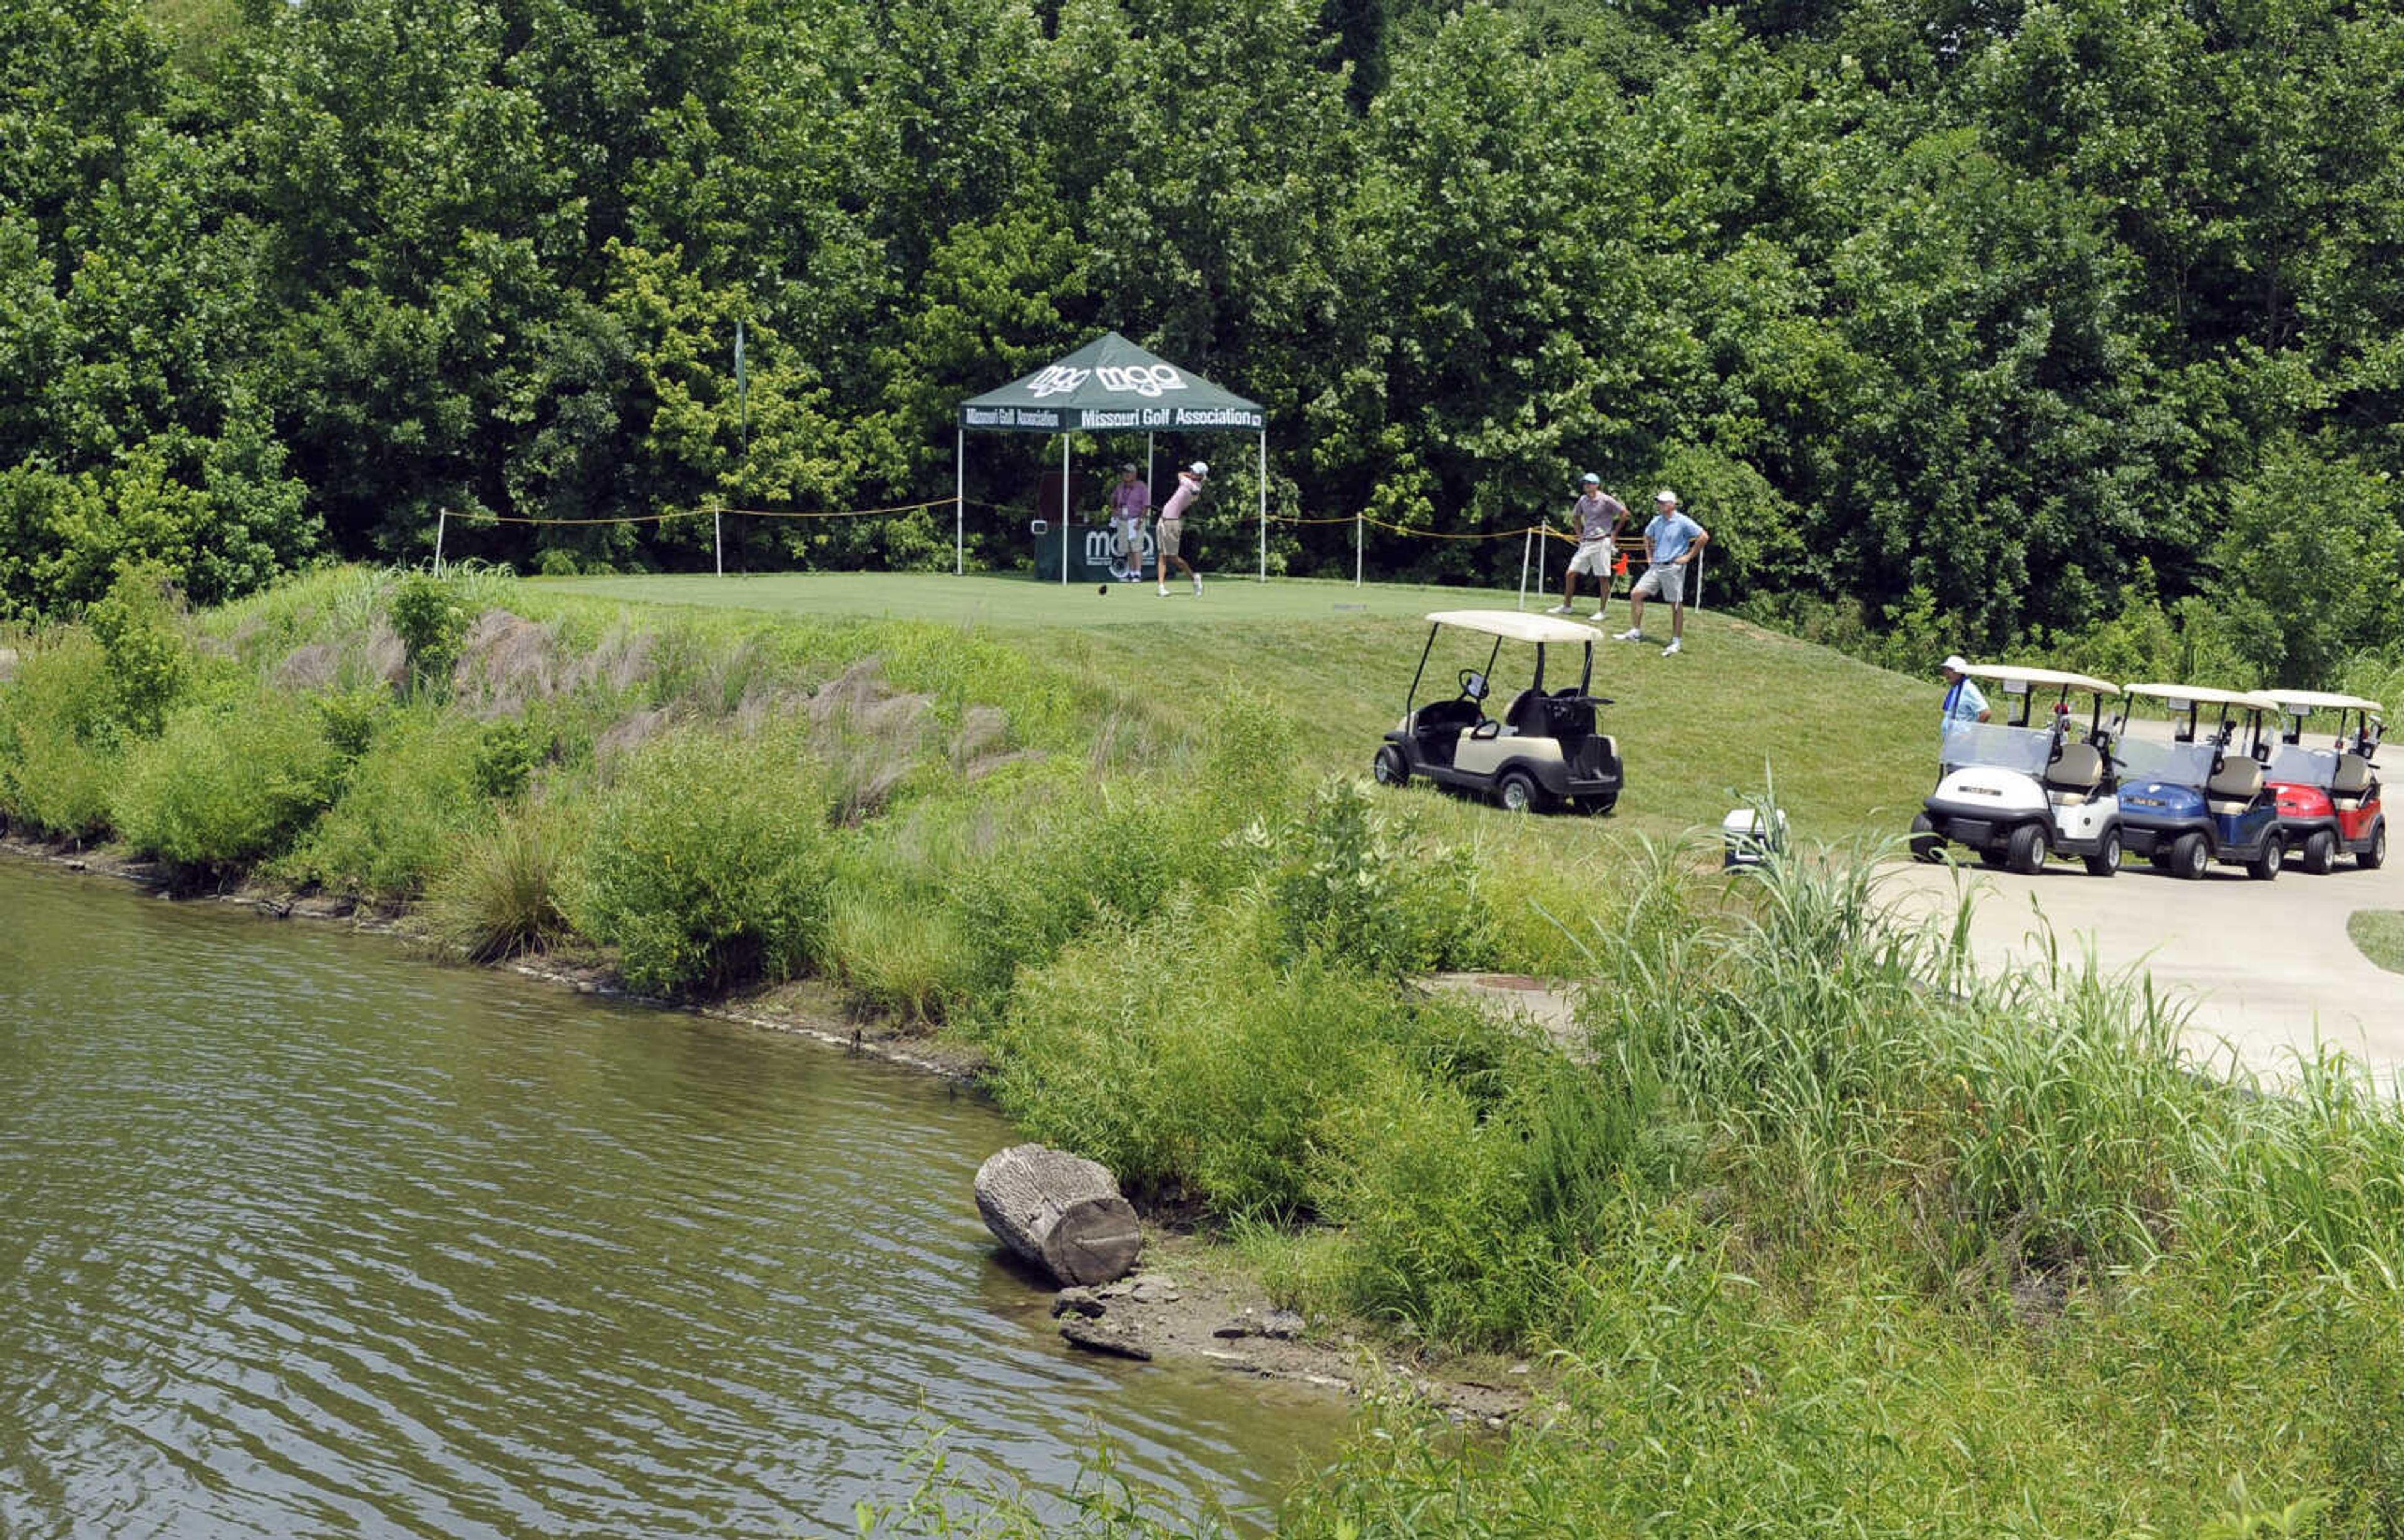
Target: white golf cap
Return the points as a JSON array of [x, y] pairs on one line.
[[1957, 663], [1591, 479], [1666, 495], [1201, 468]]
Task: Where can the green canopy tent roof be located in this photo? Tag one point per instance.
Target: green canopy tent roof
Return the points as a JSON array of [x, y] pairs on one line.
[[1109, 385]]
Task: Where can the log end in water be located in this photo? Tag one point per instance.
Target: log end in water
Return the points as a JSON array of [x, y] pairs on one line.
[[1060, 1211]]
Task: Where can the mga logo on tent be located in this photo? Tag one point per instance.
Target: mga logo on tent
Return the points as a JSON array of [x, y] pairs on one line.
[[1144, 379], [1055, 380]]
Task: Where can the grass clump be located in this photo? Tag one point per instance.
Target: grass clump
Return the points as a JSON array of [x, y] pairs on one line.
[[704, 867], [226, 782], [409, 796], [60, 746], [504, 891]]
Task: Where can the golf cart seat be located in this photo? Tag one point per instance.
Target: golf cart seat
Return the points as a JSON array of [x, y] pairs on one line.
[[1529, 715], [2351, 785], [2235, 785], [2075, 774]]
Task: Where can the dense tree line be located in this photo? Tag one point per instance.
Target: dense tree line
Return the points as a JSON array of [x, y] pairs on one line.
[[2016, 315]]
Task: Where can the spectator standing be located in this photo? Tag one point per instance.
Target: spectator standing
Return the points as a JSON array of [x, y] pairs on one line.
[[1966, 705], [1169, 533], [1672, 544], [1131, 501], [1598, 516]]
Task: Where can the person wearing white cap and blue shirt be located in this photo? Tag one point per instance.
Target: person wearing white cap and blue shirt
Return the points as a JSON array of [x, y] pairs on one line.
[[1966, 705], [1672, 544], [1598, 515]]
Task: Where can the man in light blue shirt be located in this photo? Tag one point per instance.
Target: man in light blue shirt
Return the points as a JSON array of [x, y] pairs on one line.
[[1672, 544], [1965, 706]]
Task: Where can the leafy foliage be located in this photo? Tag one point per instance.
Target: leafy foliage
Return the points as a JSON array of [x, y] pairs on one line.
[[702, 871], [1924, 308]]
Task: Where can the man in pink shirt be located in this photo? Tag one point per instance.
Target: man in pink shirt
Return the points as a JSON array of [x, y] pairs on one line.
[[1169, 533], [1130, 500]]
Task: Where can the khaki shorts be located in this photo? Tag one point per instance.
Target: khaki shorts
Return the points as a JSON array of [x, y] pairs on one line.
[[1593, 558], [1168, 533], [1663, 580]]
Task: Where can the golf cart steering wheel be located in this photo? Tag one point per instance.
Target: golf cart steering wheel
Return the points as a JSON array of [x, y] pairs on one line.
[[1472, 685]]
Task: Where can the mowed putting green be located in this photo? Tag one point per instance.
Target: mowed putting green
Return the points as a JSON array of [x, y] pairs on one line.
[[1010, 601]]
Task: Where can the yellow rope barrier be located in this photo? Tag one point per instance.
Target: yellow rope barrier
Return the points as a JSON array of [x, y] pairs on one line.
[[708, 512]]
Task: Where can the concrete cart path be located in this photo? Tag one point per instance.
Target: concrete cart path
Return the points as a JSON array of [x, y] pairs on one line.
[[2267, 966]]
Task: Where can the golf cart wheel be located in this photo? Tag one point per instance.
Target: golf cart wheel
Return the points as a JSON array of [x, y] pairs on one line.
[[1597, 804], [2107, 858], [1516, 792], [1927, 845], [2375, 856], [1390, 768], [2320, 852], [2189, 856], [2025, 853], [2264, 867]]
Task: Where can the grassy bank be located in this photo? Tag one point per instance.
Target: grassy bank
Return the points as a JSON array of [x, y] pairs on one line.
[[1818, 1231]]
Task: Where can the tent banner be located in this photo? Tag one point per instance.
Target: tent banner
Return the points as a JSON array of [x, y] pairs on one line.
[[1107, 385]]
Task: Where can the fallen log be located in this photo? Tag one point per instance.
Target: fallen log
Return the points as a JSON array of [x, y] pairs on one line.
[[1060, 1211]]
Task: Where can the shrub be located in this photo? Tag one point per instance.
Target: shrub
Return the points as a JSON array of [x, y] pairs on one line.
[[59, 745], [506, 755], [1346, 877], [228, 783], [503, 892], [432, 625], [703, 870], [1181, 1056], [403, 805], [1434, 1203], [136, 623]]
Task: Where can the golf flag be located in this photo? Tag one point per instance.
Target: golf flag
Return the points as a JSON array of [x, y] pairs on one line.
[[1621, 570]]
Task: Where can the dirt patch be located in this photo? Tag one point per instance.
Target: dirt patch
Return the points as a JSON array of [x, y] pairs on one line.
[[1186, 1304]]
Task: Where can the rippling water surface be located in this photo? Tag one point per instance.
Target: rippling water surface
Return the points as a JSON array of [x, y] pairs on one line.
[[299, 1236]]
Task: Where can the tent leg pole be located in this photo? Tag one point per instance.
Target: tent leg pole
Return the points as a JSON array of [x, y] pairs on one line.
[[1357, 539], [441, 523], [1264, 505], [1526, 546], [1064, 511], [717, 536], [959, 503]]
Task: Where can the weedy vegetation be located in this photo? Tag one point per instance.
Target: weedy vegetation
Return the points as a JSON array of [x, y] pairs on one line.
[[1810, 1224]]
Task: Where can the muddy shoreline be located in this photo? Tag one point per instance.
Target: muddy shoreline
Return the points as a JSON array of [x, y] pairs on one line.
[[1187, 1303]]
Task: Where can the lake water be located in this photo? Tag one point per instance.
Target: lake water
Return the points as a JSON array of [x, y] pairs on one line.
[[301, 1235]]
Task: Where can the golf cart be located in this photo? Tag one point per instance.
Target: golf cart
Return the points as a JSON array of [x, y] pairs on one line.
[[2018, 791], [1539, 752], [2202, 796], [2328, 798]]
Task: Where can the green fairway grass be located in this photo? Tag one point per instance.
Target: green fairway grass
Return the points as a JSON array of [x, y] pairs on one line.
[[1005, 601], [1851, 748]]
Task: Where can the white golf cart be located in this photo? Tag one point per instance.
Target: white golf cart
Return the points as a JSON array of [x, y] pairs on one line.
[[1541, 751], [2020, 789]]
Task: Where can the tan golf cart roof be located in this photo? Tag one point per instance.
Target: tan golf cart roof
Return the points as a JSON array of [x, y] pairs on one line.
[[1513, 626], [2014, 673], [2314, 700], [2204, 694]]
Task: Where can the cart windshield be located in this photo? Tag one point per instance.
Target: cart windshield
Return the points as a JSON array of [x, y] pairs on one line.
[[2300, 766], [2180, 763], [2023, 748]]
